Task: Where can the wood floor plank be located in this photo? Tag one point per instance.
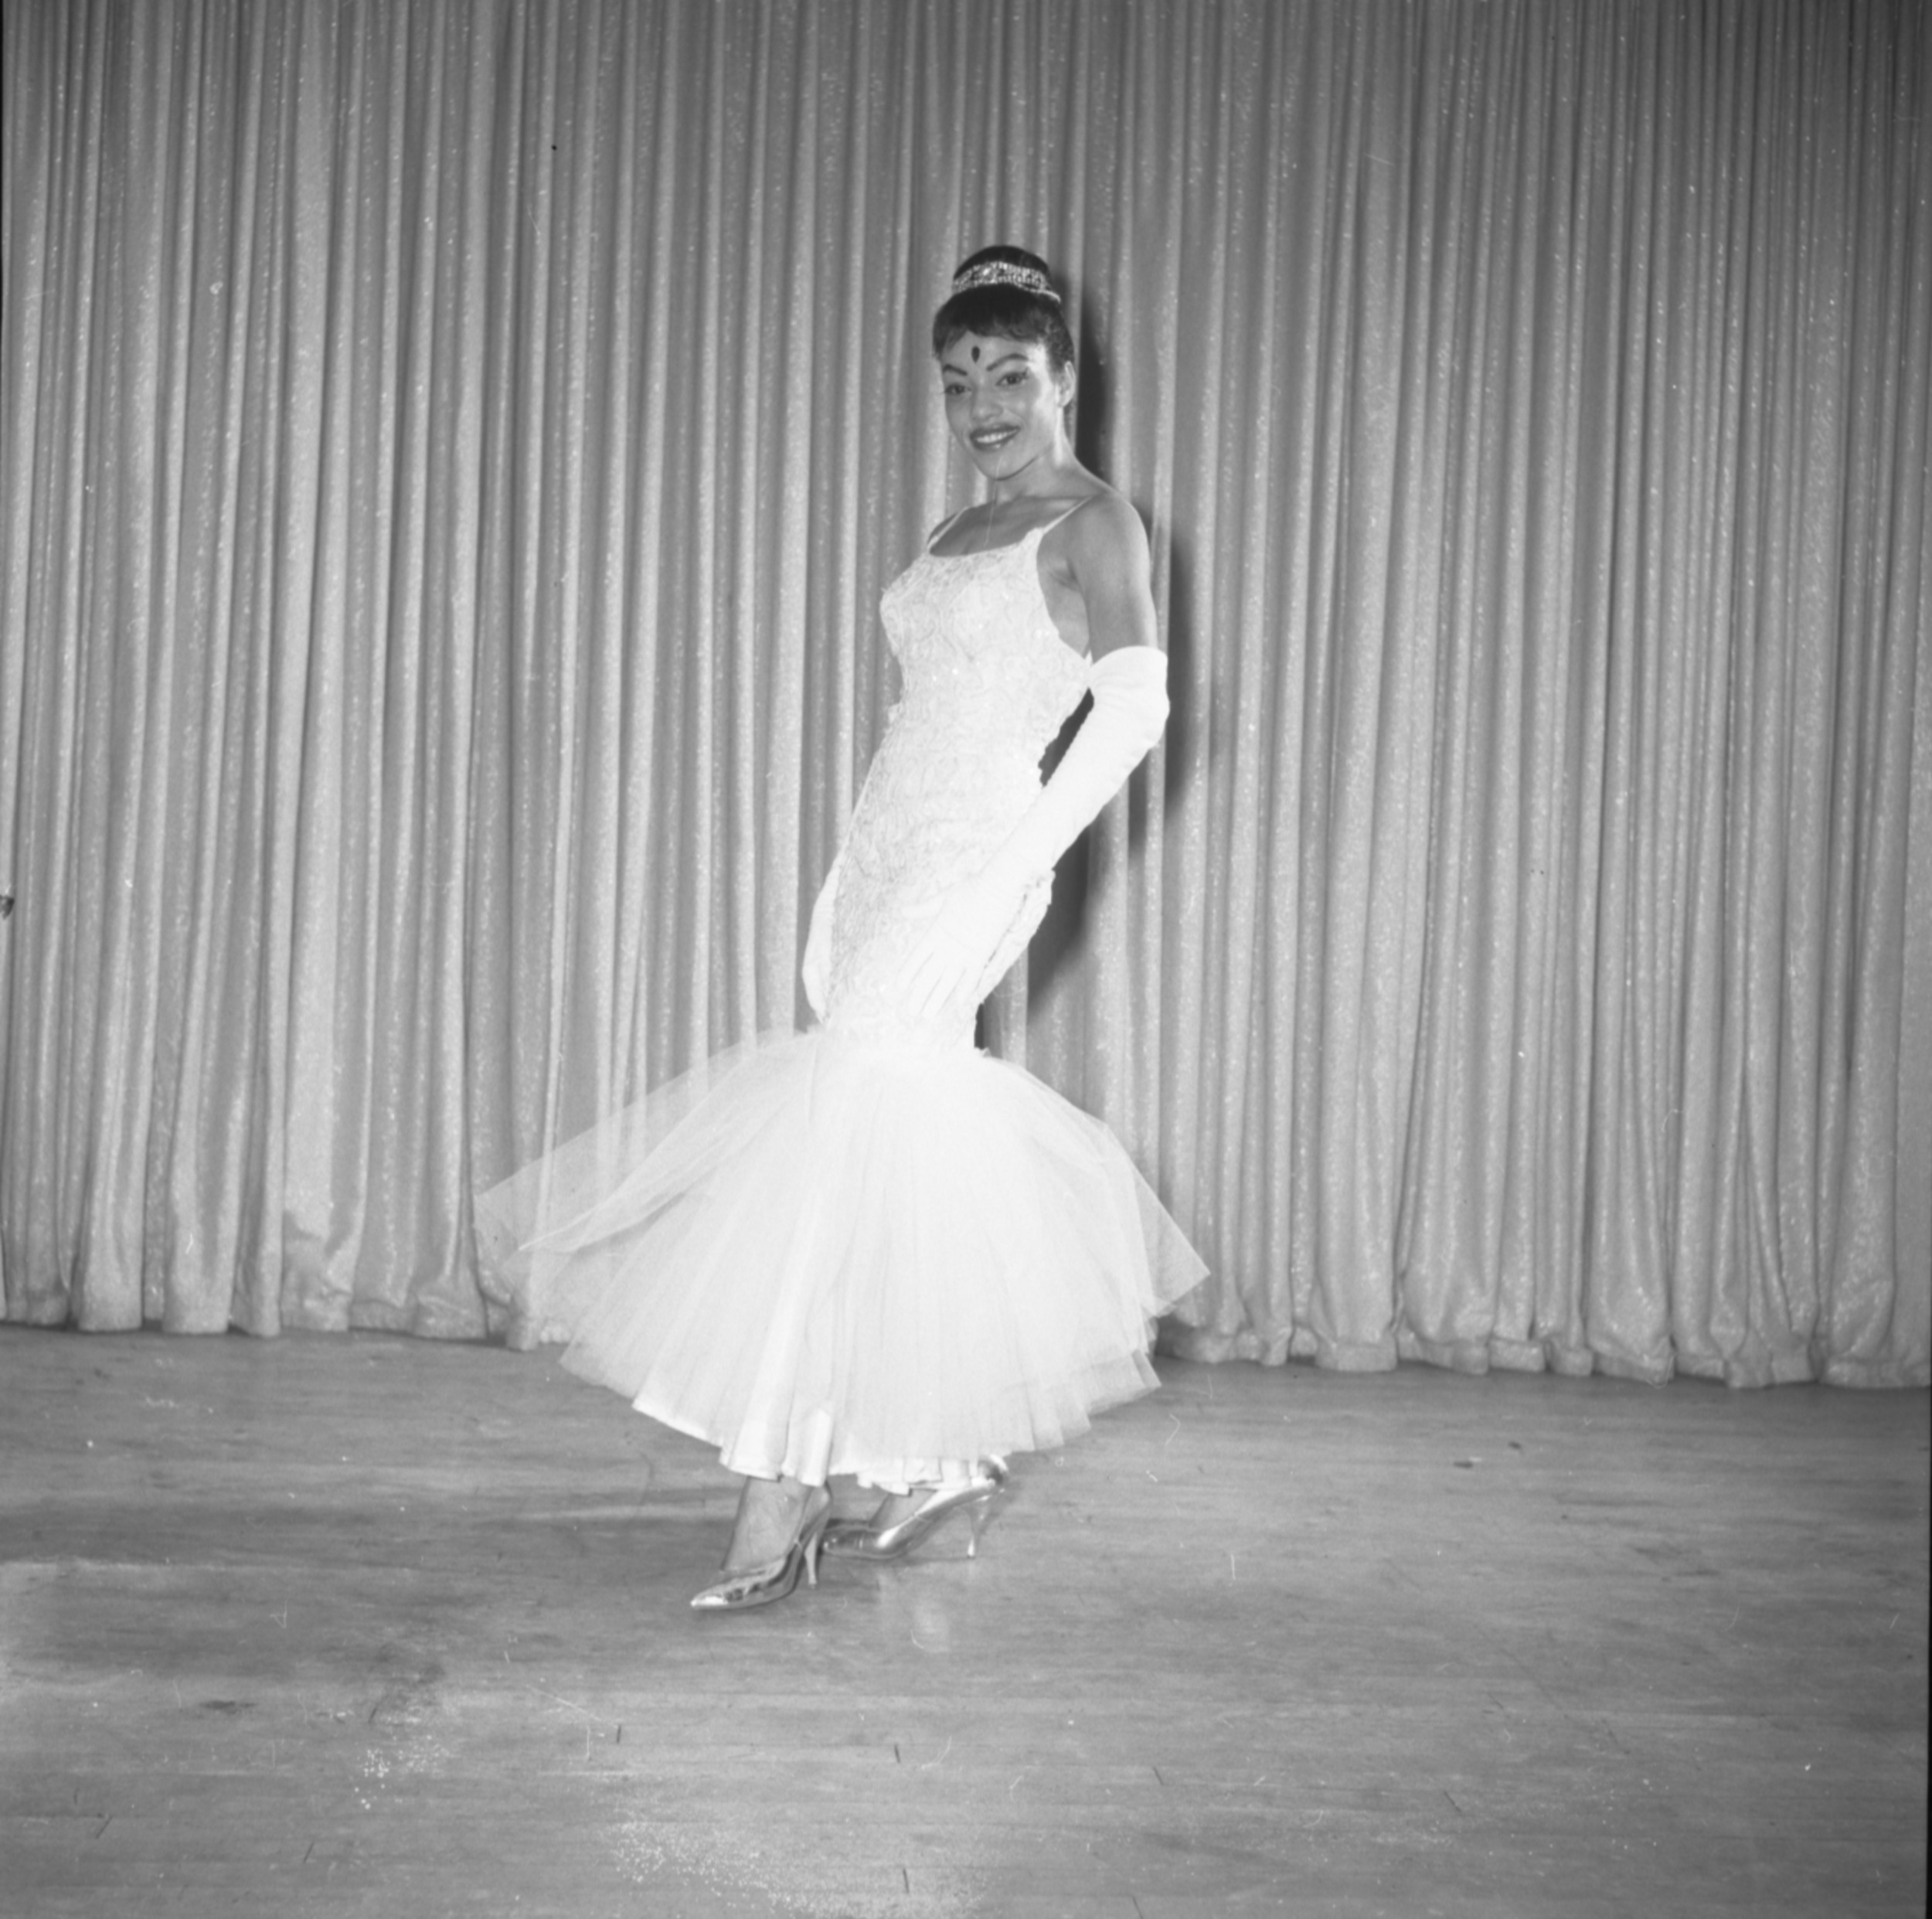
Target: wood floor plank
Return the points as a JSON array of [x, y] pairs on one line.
[[367, 1625]]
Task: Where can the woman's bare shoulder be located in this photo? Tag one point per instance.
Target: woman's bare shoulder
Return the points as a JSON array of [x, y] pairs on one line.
[[1105, 529]]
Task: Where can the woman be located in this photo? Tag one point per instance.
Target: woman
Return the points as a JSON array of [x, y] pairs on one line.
[[871, 1249]]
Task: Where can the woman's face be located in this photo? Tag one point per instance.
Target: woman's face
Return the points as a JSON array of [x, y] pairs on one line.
[[1005, 402]]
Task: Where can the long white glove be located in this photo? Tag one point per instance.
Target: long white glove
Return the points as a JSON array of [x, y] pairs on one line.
[[1129, 687], [814, 971]]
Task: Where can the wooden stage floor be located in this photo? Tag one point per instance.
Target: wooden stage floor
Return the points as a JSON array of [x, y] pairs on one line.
[[376, 1626]]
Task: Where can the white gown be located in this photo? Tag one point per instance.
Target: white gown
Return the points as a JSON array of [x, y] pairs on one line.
[[870, 1248]]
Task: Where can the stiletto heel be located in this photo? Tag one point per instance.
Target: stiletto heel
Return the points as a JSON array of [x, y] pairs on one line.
[[860, 1539], [776, 1579], [976, 1517]]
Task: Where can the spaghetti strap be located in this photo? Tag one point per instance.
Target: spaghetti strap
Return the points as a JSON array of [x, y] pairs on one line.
[[1035, 534], [945, 526], [1060, 520]]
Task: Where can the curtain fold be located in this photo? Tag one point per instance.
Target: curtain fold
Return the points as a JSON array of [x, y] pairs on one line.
[[452, 454]]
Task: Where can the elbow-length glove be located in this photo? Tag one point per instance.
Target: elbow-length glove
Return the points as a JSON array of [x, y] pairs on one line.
[[815, 971], [1129, 687]]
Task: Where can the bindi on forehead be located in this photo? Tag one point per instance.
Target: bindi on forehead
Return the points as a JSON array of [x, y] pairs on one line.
[[979, 354]]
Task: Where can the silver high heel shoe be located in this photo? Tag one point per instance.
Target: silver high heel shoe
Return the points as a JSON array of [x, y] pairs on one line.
[[760, 1585], [860, 1539]]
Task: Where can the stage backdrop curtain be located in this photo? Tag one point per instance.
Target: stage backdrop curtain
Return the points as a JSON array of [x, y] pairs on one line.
[[453, 452]]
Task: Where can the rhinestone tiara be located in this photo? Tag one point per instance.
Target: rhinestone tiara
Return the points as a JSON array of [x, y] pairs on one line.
[[1005, 273]]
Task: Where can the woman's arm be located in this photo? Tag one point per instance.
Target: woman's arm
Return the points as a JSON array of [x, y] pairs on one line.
[[1103, 559]]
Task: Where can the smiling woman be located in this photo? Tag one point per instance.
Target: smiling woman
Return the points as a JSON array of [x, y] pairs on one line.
[[1006, 370], [870, 1249], [1006, 402]]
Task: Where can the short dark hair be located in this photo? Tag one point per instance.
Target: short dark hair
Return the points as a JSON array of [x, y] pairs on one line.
[[1004, 311]]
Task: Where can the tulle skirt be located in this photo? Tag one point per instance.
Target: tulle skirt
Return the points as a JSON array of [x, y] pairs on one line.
[[825, 1254]]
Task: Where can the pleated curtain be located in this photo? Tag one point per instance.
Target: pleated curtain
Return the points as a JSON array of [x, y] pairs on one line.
[[453, 450]]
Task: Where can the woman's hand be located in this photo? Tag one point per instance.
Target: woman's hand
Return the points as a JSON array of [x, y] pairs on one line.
[[951, 958], [814, 972]]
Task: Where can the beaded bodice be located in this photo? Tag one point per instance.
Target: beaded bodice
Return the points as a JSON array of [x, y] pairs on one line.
[[987, 683]]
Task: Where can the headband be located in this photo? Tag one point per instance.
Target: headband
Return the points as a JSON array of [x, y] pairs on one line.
[[1004, 273]]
